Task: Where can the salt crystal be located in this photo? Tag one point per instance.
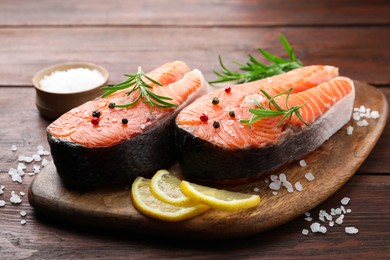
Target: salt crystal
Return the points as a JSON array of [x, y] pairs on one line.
[[14, 148], [46, 152], [31, 173], [275, 193], [21, 158], [375, 114], [256, 189], [36, 157], [305, 232], [309, 219], [302, 163], [72, 80], [288, 185], [1, 189], [274, 177], [331, 223], [12, 171], [266, 181], [298, 186], [23, 213], [44, 162], [351, 230], [356, 116], [349, 210], [40, 147], [275, 185], [23, 222], [322, 218], [356, 109], [349, 130], [345, 201], [343, 209], [307, 214], [338, 211], [22, 193], [2, 203], [340, 219], [315, 227], [332, 212], [362, 123], [362, 109], [21, 166], [282, 177], [20, 172], [28, 159], [328, 217], [309, 176], [323, 229], [15, 198], [16, 178]]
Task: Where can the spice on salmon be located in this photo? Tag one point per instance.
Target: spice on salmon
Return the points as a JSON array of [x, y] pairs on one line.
[[204, 117], [96, 113], [215, 101]]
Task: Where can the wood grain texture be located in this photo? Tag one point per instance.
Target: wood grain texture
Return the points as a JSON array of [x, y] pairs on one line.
[[122, 50], [332, 164], [193, 12]]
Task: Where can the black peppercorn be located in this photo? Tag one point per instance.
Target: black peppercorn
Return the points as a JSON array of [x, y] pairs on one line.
[[216, 124], [215, 101], [111, 105], [231, 113], [96, 113], [125, 121]]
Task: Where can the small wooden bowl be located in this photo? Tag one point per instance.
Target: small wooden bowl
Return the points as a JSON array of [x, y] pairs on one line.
[[52, 105]]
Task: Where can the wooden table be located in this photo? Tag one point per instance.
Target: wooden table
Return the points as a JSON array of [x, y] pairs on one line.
[[121, 35]]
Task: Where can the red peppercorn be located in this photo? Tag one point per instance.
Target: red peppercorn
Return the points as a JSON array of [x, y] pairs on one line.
[[95, 120], [228, 89], [204, 118]]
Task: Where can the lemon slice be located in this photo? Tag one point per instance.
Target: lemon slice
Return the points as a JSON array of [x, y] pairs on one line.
[[219, 199], [166, 187], [149, 205]]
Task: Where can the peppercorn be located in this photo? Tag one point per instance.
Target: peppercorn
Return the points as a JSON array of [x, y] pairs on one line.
[[228, 89], [125, 121], [95, 120], [215, 101], [231, 113], [96, 113], [204, 118], [216, 124], [111, 105]]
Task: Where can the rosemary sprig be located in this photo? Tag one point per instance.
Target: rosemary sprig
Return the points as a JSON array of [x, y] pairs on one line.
[[136, 82], [263, 112], [255, 70]]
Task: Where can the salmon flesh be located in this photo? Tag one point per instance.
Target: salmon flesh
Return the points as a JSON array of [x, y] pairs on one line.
[[230, 151], [88, 155]]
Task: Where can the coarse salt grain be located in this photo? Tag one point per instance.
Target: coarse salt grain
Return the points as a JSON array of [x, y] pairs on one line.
[[349, 130], [14, 148], [302, 163], [362, 123], [345, 201], [323, 229], [282, 177], [275, 185], [308, 219], [305, 232], [315, 227], [256, 189], [275, 193], [2, 189], [340, 220], [44, 162], [23, 213], [23, 222], [72, 80], [351, 230], [309, 176], [36, 157], [274, 177], [2, 203], [375, 114], [331, 223], [349, 210], [298, 186], [307, 214], [22, 193], [15, 198]]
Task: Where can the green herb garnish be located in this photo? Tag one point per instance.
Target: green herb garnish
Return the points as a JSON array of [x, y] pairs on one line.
[[136, 82], [254, 70], [263, 112]]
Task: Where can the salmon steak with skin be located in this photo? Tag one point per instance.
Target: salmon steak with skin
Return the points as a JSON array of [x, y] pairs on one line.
[[88, 155], [224, 149]]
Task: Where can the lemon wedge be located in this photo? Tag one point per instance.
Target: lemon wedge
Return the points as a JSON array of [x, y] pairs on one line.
[[219, 199], [149, 205], [166, 187]]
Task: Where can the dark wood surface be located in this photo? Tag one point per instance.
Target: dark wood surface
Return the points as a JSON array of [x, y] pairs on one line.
[[120, 35]]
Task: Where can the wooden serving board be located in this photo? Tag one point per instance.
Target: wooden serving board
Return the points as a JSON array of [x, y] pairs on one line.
[[332, 164]]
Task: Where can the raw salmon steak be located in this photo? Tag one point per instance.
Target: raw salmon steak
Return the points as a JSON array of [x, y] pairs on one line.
[[88, 155], [216, 146]]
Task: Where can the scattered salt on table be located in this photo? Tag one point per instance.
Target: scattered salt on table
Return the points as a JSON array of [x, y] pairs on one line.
[[309, 176], [23, 213], [298, 186], [351, 230], [72, 80], [349, 130], [23, 222], [302, 163], [345, 201], [305, 231], [362, 123], [2, 203], [14, 148], [15, 198]]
